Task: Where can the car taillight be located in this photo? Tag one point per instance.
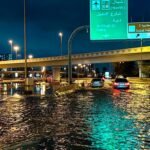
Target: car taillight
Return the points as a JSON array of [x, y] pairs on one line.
[[127, 84], [116, 83], [103, 78]]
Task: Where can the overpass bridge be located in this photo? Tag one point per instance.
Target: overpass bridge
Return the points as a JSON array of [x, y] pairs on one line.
[[131, 54]]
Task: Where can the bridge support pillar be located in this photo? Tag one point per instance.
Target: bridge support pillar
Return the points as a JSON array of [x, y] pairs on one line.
[[140, 64], [2, 75], [56, 73]]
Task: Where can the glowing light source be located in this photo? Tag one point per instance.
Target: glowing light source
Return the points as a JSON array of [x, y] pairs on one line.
[[10, 41], [30, 56]]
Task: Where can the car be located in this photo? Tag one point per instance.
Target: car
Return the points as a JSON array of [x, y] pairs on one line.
[[121, 83], [89, 75], [97, 82], [119, 76]]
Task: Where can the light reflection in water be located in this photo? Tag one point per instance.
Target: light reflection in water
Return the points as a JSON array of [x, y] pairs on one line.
[[11, 89], [137, 104], [101, 119], [111, 128]]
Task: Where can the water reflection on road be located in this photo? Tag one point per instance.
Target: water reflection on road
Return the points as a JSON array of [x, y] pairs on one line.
[[104, 119], [11, 89]]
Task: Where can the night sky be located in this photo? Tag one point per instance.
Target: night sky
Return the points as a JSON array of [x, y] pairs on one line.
[[46, 18]]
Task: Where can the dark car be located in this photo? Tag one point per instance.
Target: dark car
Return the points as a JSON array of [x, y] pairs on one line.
[[121, 83]]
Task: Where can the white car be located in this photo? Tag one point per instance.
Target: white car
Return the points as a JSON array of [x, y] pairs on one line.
[[97, 82]]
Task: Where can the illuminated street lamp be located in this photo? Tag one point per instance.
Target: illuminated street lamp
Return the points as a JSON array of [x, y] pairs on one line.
[[16, 49], [75, 67], [76, 70], [65, 72], [60, 35], [30, 56], [11, 43], [65, 69]]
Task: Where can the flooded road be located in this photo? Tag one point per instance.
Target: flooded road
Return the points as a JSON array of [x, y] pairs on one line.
[[104, 119]]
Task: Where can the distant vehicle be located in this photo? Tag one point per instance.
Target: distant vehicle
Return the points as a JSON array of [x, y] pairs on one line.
[[120, 76], [97, 82], [89, 75], [63, 83], [103, 78], [121, 83]]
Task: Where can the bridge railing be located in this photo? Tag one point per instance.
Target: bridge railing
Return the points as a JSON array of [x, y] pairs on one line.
[[85, 55]]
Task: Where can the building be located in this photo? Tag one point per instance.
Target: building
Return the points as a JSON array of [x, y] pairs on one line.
[[4, 57]]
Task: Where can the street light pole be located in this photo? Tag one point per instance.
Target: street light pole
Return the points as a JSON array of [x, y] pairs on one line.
[[61, 35], [16, 49], [11, 43], [141, 48], [25, 41], [141, 55], [65, 72], [85, 27], [16, 55], [140, 64], [30, 57]]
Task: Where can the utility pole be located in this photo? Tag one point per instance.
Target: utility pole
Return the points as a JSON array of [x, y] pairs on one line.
[[25, 42]]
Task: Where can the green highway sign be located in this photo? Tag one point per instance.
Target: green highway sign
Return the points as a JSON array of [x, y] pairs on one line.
[[108, 19]]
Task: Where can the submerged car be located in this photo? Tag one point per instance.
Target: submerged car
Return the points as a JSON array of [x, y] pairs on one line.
[[121, 83], [98, 82]]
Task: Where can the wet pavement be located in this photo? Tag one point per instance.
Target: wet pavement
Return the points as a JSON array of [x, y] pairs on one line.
[[101, 119]]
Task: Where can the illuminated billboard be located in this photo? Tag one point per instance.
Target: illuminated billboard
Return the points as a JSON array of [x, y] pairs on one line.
[[139, 30], [108, 19]]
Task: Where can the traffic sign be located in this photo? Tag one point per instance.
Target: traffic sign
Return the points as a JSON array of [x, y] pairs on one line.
[[139, 30], [108, 19]]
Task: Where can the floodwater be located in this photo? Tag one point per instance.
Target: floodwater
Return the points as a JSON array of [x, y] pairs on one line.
[[103, 119]]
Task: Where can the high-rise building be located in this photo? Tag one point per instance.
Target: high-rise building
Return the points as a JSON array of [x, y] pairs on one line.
[[4, 57]]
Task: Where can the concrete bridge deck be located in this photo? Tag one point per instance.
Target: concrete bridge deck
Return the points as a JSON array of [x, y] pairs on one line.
[[131, 54]]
